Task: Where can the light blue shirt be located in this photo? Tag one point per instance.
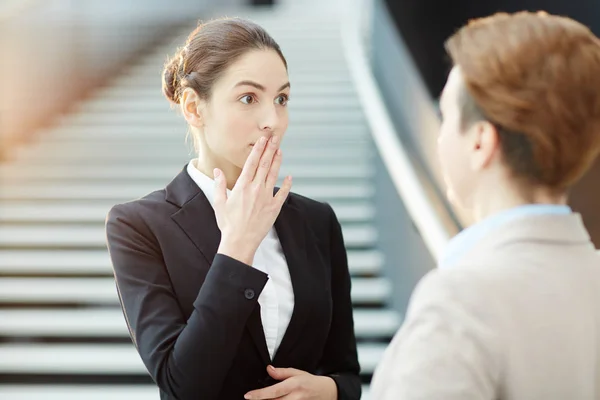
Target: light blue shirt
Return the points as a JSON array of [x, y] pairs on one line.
[[469, 237]]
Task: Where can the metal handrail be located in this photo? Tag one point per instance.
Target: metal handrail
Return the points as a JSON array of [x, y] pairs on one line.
[[433, 221]]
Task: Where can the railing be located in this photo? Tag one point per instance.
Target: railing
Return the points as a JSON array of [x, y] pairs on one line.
[[434, 221], [414, 220]]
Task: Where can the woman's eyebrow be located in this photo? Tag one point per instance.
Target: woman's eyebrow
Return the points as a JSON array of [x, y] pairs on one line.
[[286, 86], [259, 86]]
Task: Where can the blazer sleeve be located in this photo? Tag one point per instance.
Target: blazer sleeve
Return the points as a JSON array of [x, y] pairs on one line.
[[340, 358], [189, 358], [446, 348]]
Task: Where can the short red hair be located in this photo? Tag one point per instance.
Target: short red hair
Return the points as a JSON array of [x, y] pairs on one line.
[[537, 78]]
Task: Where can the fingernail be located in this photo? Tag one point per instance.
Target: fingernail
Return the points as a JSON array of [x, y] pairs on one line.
[[275, 139], [278, 152], [263, 140], [217, 173], [247, 397], [272, 368]]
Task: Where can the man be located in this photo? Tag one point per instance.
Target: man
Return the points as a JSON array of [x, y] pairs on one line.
[[513, 311]]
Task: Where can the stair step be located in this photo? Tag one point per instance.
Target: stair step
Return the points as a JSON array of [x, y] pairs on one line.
[[296, 147], [36, 155], [301, 66], [82, 236], [304, 63], [102, 322], [160, 104], [123, 162], [15, 212], [300, 85], [102, 291], [15, 172], [171, 118], [108, 359], [300, 132], [299, 79], [79, 392], [90, 392], [306, 90], [119, 192], [305, 135], [97, 262]]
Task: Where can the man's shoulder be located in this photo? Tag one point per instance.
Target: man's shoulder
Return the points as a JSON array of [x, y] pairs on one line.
[[469, 287]]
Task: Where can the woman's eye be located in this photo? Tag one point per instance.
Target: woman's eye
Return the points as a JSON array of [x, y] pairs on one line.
[[282, 100], [247, 99]]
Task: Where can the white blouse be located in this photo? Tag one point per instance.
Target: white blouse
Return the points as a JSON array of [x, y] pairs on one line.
[[277, 298]]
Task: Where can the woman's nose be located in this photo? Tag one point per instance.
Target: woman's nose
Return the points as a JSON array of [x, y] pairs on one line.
[[270, 119]]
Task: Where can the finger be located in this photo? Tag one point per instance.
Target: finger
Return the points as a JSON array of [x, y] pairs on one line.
[[220, 188], [282, 374], [252, 161], [266, 160], [272, 392], [274, 171], [283, 191]]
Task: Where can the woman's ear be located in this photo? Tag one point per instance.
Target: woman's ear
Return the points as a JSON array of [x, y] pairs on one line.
[[192, 106]]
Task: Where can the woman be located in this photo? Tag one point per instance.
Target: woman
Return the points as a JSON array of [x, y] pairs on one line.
[[230, 287], [513, 312]]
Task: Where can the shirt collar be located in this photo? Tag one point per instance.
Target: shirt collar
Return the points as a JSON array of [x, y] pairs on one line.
[[465, 240], [205, 183]]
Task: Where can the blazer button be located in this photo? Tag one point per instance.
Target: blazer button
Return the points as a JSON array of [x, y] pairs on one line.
[[249, 294]]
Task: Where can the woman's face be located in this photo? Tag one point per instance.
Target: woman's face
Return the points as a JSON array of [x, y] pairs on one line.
[[247, 102]]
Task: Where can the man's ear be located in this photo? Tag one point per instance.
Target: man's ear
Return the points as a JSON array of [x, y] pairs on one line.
[[484, 144], [192, 106]]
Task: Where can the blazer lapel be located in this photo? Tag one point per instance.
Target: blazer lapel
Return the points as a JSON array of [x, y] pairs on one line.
[[291, 230], [196, 218], [256, 330]]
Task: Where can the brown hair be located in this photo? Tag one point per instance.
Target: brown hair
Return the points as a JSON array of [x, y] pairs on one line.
[[536, 77], [207, 53]]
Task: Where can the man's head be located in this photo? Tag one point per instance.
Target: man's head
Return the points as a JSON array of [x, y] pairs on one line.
[[521, 105]]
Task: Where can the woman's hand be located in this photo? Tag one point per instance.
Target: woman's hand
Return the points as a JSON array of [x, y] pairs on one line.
[[296, 385], [248, 213]]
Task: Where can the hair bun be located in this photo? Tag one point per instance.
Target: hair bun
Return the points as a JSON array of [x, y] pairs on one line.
[[171, 81]]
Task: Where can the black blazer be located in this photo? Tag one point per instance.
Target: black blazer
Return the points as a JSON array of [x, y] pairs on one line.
[[193, 315]]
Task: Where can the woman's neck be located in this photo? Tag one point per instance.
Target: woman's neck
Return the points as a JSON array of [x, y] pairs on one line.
[[206, 163]]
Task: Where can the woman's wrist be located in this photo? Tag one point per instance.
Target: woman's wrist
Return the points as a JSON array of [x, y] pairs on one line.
[[237, 249], [332, 392]]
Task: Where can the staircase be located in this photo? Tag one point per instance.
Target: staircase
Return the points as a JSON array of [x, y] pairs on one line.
[[62, 333]]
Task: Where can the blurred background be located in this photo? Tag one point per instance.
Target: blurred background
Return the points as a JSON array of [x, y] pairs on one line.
[[83, 126]]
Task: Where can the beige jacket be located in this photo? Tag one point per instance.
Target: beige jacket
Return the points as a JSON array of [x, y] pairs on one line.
[[518, 318]]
